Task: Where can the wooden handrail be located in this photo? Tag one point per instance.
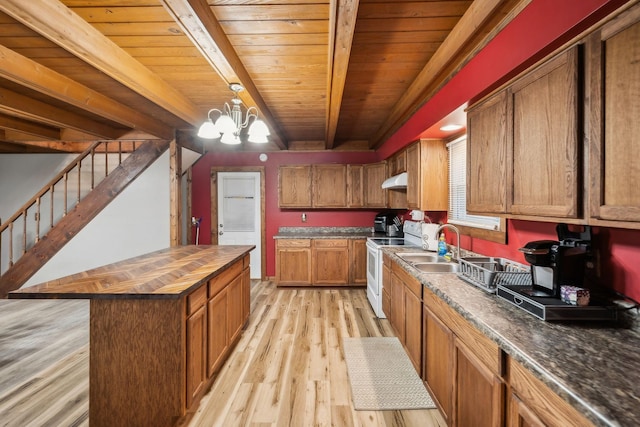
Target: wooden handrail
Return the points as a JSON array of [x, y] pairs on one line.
[[101, 147]]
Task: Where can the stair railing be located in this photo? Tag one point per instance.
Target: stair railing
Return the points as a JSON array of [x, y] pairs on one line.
[[57, 198]]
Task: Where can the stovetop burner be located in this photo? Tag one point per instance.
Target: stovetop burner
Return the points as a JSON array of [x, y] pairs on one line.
[[388, 241]]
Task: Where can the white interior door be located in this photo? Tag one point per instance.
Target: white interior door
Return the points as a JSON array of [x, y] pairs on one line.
[[239, 208]]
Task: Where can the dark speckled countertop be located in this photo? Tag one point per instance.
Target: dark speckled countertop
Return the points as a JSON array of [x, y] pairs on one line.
[[326, 233], [593, 366]]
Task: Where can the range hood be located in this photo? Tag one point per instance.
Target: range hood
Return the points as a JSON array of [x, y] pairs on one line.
[[396, 181]]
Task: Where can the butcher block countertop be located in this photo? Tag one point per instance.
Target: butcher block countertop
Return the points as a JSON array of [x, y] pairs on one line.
[[165, 274]]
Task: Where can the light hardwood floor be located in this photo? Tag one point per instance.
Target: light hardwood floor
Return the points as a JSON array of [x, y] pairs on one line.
[[287, 370]]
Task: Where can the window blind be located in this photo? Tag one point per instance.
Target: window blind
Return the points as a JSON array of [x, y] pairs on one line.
[[458, 190]]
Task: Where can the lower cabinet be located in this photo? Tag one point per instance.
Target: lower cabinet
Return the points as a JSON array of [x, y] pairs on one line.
[[293, 262], [196, 332], [330, 262], [532, 403], [324, 262], [462, 367], [405, 311], [215, 315]]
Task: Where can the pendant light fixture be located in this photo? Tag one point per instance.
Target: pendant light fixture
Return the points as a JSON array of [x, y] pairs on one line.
[[230, 122]]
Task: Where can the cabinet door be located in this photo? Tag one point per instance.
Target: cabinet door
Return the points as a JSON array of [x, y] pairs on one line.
[[520, 415], [478, 391], [614, 125], [487, 128], [546, 168], [358, 261], [246, 291], [438, 362], [413, 329], [386, 290], [196, 350], [355, 186], [427, 176], [294, 186], [234, 308], [330, 262], [218, 332], [397, 306], [413, 176], [329, 186], [374, 176], [293, 262]]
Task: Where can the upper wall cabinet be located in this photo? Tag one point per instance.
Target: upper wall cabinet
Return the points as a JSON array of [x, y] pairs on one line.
[[335, 186], [487, 155], [523, 145], [427, 176], [294, 186], [329, 186], [546, 167], [614, 89]]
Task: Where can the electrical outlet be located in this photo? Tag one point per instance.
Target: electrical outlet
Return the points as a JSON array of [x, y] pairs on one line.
[[304, 217]]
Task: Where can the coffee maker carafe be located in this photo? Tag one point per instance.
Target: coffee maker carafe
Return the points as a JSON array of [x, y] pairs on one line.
[[558, 263]]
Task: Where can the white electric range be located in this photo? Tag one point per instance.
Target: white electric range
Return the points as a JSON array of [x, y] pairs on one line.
[[412, 238]]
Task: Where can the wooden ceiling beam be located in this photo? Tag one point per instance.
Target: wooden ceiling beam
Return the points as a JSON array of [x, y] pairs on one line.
[[198, 22], [31, 128], [344, 14], [54, 21], [480, 23], [35, 76], [17, 105]]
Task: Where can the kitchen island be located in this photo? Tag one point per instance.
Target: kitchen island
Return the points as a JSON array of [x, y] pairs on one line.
[[161, 325]]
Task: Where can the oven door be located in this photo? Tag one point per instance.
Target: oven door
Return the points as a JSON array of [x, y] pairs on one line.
[[374, 278]]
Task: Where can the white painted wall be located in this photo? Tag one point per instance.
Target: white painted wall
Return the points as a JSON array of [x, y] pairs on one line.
[[135, 223], [21, 175]]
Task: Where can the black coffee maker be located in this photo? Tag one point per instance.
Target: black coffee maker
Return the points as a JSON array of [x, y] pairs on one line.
[[557, 263]]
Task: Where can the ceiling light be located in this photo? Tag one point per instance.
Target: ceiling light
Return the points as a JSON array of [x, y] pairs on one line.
[[230, 122], [451, 128]]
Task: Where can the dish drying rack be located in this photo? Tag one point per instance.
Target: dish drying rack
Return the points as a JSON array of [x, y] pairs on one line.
[[488, 272]]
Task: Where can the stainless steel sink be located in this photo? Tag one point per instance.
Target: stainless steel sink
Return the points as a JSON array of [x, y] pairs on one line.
[[437, 267], [420, 257]]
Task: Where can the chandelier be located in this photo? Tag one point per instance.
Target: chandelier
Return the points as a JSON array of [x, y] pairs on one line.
[[230, 122]]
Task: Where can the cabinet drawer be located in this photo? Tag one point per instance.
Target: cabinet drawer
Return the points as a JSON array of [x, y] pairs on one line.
[[294, 243], [223, 279], [485, 349], [330, 243], [196, 299]]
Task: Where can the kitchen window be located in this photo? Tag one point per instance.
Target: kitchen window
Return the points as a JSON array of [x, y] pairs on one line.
[[485, 227]]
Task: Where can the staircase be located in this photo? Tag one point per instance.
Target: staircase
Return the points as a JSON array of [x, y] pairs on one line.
[[43, 225]]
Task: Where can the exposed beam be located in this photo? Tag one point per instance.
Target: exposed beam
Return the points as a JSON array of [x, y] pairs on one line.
[[24, 126], [26, 72], [342, 28], [54, 21], [464, 41], [198, 22], [15, 104]]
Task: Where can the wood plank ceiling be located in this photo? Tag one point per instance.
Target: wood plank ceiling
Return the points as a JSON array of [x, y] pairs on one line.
[[332, 74]]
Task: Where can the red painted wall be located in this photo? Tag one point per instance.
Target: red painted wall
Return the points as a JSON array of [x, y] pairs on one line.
[[275, 217], [543, 26]]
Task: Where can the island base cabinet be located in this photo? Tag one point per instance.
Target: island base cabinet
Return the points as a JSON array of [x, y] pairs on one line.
[[138, 346]]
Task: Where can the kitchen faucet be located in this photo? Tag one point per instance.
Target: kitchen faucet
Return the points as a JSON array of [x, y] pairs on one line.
[[454, 228]]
